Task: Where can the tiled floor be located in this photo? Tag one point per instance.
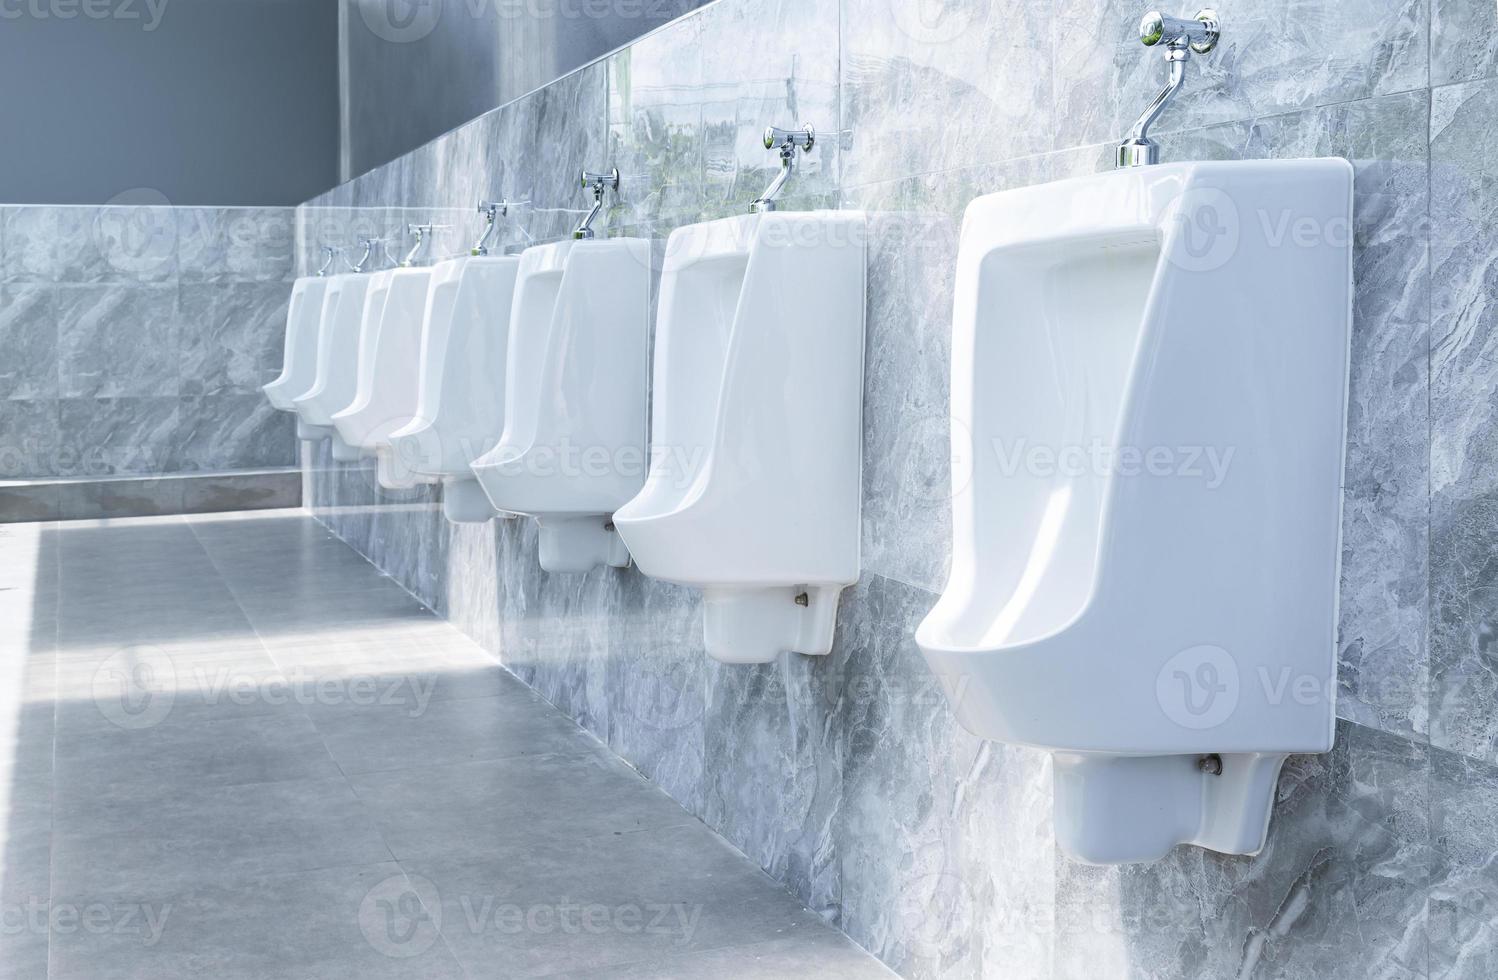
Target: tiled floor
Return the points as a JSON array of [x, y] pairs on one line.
[[230, 748]]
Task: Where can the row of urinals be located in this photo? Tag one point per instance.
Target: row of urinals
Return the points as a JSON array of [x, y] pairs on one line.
[[1148, 629]]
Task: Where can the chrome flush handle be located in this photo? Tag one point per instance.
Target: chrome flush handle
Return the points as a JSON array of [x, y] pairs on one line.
[[330, 254], [787, 141], [598, 182], [369, 244], [423, 235], [1180, 38], [491, 210]]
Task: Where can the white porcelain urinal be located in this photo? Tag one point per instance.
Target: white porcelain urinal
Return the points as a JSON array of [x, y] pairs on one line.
[[384, 398], [299, 360], [461, 399], [1149, 377], [573, 447], [754, 486], [347, 301]]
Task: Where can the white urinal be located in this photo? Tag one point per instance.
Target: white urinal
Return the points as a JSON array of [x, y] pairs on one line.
[[754, 486], [1149, 381], [299, 360], [348, 301], [573, 447], [384, 397], [461, 399]]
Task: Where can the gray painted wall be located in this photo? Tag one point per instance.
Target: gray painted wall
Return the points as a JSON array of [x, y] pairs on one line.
[[414, 69], [207, 102]]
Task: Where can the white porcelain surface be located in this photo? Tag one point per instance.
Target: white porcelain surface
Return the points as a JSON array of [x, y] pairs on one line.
[[299, 361], [573, 447], [461, 396], [1149, 377], [347, 300], [389, 356], [753, 493]]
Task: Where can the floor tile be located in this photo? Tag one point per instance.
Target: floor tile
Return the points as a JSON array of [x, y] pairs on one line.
[[256, 829], [583, 905], [454, 811], [322, 923], [144, 764], [411, 730]]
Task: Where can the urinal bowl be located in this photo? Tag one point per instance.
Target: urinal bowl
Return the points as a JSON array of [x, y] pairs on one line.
[[1149, 391], [389, 354], [754, 486], [299, 362], [573, 446], [460, 400], [347, 301]]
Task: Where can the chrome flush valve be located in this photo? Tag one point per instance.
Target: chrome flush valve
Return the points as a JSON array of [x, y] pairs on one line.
[[370, 245], [491, 210], [1180, 38], [423, 235], [598, 182], [330, 254], [787, 141]]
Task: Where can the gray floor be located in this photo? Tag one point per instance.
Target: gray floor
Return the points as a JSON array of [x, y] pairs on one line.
[[230, 748]]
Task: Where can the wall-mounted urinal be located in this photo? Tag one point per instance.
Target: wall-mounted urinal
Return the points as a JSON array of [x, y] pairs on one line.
[[1149, 378], [299, 358], [461, 397], [573, 447], [347, 301], [384, 398], [754, 486]]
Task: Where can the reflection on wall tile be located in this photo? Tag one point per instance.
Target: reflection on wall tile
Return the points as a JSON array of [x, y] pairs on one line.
[[115, 342], [28, 336]]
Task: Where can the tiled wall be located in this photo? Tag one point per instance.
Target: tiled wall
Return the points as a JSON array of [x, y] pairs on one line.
[[134, 340], [847, 777]]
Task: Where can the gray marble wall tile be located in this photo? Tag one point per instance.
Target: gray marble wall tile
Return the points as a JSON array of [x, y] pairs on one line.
[[115, 342], [235, 244], [233, 431], [30, 439], [1464, 403], [28, 338], [944, 841], [1274, 56], [929, 87], [1463, 40], [51, 244], [138, 242], [232, 336], [119, 436], [1464, 882]]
